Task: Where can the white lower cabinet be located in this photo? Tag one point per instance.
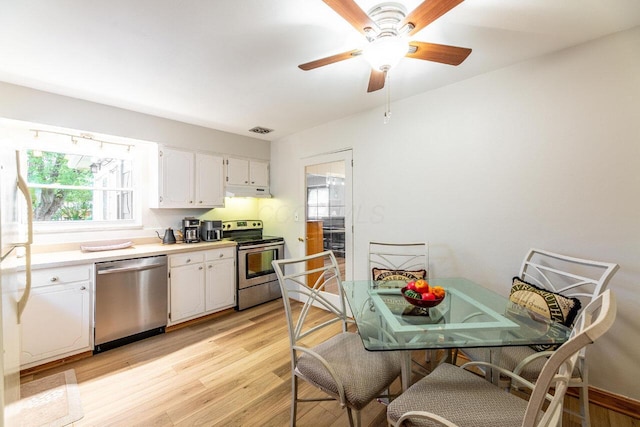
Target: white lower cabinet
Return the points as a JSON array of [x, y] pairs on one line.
[[186, 284], [56, 322], [201, 283], [221, 279]]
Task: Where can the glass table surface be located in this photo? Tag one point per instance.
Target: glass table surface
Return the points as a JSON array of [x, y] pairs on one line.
[[469, 316]]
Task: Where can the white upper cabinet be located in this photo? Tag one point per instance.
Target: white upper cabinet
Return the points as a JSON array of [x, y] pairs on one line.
[[247, 172], [247, 177], [177, 177], [259, 173], [209, 183], [187, 179]]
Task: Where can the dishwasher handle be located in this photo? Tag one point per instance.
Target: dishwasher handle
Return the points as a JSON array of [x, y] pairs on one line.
[[110, 270]]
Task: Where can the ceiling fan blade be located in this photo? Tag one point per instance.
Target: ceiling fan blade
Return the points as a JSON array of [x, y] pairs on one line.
[[376, 80], [442, 53], [329, 60], [427, 12], [352, 13]]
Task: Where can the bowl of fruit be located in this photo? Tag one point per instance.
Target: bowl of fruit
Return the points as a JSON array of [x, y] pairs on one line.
[[420, 294]]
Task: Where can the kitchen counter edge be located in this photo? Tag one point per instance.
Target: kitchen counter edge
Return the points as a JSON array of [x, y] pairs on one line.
[[66, 258]]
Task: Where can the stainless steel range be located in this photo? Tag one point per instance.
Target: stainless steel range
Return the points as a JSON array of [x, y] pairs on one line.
[[256, 280]]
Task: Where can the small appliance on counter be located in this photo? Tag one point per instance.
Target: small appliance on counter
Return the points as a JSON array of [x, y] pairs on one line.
[[191, 230], [169, 238], [210, 231]]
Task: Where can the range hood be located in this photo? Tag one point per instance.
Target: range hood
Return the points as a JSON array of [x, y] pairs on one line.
[[246, 191]]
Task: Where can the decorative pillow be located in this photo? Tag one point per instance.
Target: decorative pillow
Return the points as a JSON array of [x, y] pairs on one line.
[[549, 304], [404, 275]]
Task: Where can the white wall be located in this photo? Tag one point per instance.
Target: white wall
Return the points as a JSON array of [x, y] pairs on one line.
[[21, 103], [542, 154], [30, 105]]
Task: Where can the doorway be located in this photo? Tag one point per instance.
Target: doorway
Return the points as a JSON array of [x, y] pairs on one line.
[[328, 208]]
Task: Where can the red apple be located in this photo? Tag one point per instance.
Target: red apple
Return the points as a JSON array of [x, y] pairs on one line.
[[411, 285], [428, 296]]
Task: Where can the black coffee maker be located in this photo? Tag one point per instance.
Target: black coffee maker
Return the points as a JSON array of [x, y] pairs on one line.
[[191, 230], [210, 231]]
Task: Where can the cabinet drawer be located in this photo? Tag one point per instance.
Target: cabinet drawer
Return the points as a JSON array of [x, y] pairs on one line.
[[186, 259], [220, 254], [61, 275]]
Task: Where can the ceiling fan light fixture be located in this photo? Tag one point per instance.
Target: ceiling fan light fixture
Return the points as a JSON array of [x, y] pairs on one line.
[[384, 53]]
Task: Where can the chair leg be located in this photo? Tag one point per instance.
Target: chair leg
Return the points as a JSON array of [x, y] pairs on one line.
[[354, 421], [294, 399], [454, 356], [583, 396], [350, 415]]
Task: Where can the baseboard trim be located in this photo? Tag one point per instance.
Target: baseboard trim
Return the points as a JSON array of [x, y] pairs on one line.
[[55, 363], [614, 402], [199, 320]]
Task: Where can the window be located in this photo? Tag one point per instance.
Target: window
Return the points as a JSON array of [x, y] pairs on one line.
[[325, 197], [77, 187], [80, 183], [317, 202]]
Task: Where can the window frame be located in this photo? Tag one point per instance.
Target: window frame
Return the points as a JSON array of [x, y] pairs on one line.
[[68, 145]]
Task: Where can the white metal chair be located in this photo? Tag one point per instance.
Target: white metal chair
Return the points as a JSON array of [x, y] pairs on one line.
[[452, 396], [408, 259], [339, 366], [400, 262], [571, 277]]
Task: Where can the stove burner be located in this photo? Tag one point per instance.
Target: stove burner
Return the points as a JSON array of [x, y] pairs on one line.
[[247, 232]]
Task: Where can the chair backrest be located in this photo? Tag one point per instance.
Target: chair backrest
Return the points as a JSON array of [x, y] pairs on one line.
[[300, 293], [399, 256], [572, 277], [593, 322]]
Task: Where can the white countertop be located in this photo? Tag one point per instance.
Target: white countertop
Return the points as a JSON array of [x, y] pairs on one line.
[[71, 257]]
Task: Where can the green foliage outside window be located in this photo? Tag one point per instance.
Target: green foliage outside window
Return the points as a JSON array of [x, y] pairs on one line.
[[58, 204]]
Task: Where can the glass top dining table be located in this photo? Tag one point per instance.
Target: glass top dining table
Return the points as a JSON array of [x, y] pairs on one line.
[[469, 316]]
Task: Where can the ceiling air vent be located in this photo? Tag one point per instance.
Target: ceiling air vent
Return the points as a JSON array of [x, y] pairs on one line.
[[260, 130]]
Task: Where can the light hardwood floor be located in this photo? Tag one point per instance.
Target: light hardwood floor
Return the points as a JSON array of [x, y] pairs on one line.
[[230, 371]]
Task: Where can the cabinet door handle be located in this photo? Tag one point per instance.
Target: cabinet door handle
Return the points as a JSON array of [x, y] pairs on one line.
[[54, 279], [83, 288], [221, 255], [210, 266], [200, 268], [188, 260]]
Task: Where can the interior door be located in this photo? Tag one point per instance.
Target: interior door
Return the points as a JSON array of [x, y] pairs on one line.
[[328, 213], [314, 245]]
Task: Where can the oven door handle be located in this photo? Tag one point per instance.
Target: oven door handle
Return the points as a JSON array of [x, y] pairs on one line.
[[260, 246]]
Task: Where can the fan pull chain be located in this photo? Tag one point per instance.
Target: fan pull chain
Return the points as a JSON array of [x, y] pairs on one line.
[[387, 113]]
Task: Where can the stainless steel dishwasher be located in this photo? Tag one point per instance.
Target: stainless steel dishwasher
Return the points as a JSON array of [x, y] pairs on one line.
[[131, 301]]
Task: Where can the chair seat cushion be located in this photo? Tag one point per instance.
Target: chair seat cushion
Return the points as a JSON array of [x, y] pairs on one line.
[[461, 397], [364, 374]]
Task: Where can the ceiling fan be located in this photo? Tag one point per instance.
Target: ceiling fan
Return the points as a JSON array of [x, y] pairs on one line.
[[387, 27]]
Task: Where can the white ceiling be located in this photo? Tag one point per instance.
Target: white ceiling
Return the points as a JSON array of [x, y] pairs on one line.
[[232, 64]]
